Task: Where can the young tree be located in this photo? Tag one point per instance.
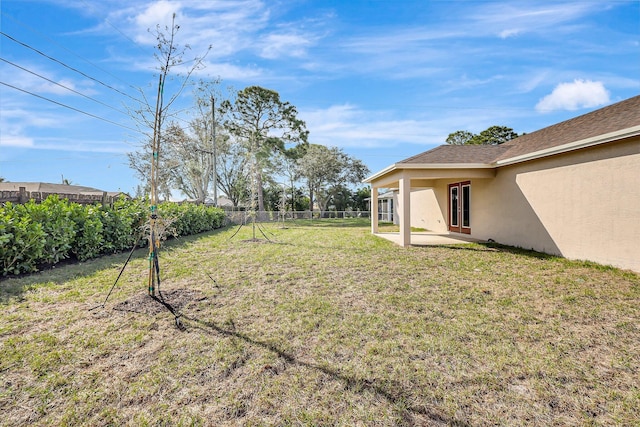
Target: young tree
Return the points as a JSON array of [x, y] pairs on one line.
[[151, 116], [264, 124], [168, 56]]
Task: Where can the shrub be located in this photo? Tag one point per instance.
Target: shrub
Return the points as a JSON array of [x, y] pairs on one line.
[[88, 238], [187, 218], [33, 234], [122, 224], [22, 241], [54, 215]]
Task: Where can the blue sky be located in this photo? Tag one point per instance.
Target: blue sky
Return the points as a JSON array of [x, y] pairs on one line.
[[381, 79]]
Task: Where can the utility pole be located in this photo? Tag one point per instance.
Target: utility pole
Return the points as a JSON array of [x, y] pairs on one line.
[[215, 172]]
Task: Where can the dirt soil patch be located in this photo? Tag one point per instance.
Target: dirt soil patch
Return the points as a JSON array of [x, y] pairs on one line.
[[176, 299]]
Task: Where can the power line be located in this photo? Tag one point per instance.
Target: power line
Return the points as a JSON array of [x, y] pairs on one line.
[[68, 66], [69, 50], [69, 107], [63, 86]]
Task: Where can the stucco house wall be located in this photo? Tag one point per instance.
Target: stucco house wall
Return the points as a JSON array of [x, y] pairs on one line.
[[581, 205], [426, 211]]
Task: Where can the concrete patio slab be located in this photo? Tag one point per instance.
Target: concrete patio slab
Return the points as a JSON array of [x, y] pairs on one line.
[[429, 239]]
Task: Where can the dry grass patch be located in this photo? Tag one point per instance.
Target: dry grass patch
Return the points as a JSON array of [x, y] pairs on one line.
[[324, 325]]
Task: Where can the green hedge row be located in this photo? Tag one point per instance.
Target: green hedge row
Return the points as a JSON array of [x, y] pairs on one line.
[[33, 235]]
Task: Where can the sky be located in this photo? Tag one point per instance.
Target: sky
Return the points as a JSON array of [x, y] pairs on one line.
[[382, 80]]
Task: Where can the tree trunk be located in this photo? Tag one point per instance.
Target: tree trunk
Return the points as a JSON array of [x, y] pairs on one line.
[[293, 197], [311, 200], [260, 192]]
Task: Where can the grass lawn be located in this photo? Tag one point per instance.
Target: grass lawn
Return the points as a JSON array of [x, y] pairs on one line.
[[324, 324]]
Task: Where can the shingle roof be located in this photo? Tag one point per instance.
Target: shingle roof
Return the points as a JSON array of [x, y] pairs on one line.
[[615, 117], [458, 154]]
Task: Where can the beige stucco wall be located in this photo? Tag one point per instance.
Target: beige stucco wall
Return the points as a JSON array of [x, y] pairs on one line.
[[582, 205], [426, 211]]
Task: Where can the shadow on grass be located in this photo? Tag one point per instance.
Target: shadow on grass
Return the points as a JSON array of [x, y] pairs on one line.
[[391, 391], [70, 269], [496, 247]]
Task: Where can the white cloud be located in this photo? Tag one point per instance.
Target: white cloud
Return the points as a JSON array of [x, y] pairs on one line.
[[279, 45], [532, 80], [575, 95], [348, 126], [512, 32], [158, 13], [15, 141], [510, 19]]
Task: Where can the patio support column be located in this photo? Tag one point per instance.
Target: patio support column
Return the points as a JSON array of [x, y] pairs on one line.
[[373, 209], [405, 211]]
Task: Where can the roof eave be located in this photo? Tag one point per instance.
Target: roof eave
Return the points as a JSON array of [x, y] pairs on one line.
[[399, 166], [383, 172]]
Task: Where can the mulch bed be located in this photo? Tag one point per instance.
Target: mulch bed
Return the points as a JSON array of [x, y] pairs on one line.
[[177, 299]]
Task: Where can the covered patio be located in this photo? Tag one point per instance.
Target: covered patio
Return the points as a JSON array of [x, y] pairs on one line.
[[445, 176]]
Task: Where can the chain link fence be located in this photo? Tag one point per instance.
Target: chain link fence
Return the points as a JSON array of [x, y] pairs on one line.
[[236, 216]]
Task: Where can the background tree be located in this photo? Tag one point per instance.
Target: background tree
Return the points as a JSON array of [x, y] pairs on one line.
[[207, 125], [360, 199], [275, 197], [264, 124], [300, 200], [140, 162], [187, 161], [493, 135], [193, 154], [460, 137], [233, 170], [341, 198], [327, 171], [286, 165]]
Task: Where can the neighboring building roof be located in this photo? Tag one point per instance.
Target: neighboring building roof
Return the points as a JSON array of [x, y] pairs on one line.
[[222, 201], [46, 187]]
